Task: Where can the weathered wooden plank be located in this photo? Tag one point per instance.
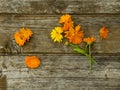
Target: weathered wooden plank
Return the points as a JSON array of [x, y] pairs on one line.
[[42, 25], [61, 70], [59, 6], [60, 65], [3, 82], [63, 84], [67, 72]]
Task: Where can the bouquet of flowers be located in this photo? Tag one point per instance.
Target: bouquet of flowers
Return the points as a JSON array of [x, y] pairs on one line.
[[75, 36]]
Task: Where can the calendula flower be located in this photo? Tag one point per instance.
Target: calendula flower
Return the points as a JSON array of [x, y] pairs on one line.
[[56, 34], [89, 40], [22, 36], [67, 25], [32, 61], [27, 33], [19, 39], [66, 21], [65, 18], [74, 36], [104, 32]]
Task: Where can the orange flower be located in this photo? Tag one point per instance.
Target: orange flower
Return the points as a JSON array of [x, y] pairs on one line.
[[66, 21], [22, 36], [67, 25], [32, 61], [75, 36], [27, 33], [19, 39], [65, 18], [104, 32], [89, 40]]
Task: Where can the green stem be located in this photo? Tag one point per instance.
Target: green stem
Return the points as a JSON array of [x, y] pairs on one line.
[[86, 48], [93, 60], [90, 50], [86, 52], [90, 58]]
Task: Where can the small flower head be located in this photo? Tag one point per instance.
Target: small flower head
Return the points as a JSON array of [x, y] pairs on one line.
[[67, 22], [104, 32], [22, 36], [66, 43], [65, 18], [27, 33], [67, 25], [32, 61], [89, 40], [19, 39], [56, 34], [75, 36]]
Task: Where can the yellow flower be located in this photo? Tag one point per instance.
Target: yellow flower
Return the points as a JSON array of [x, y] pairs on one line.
[[56, 34], [104, 32], [75, 36], [89, 40]]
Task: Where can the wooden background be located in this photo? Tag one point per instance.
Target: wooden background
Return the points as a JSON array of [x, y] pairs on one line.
[[60, 68]]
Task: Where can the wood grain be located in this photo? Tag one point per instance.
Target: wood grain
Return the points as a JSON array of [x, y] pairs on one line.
[[63, 84], [67, 72], [41, 25], [60, 68], [3, 82], [60, 6]]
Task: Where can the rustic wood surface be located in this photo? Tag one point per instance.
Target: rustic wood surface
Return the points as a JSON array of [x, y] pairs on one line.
[[60, 6], [60, 68], [68, 72], [41, 25]]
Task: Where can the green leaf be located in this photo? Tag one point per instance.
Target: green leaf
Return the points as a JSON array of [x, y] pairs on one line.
[[79, 50]]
